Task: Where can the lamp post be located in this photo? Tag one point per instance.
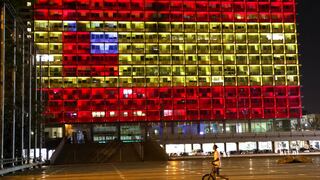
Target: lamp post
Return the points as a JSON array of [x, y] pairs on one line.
[[40, 111], [39, 107], [3, 57]]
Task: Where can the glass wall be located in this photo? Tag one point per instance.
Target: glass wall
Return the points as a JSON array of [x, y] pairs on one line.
[[169, 60]]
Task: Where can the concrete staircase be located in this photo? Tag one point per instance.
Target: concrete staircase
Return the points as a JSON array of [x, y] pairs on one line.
[[87, 153], [114, 151], [154, 152], [127, 153]]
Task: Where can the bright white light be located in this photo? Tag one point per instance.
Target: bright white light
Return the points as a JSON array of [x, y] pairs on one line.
[[139, 113], [156, 131], [69, 22], [112, 113], [275, 37], [127, 91], [217, 79], [44, 58], [98, 114], [239, 17], [167, 112]]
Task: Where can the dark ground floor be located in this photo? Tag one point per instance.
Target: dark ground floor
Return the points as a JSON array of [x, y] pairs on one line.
[[281, 136], [134, 131]]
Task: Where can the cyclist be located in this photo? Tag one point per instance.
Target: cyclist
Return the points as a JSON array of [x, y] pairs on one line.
[[216, 163], [216, 159]]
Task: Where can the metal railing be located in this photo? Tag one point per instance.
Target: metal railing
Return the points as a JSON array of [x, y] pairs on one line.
[[18, 164], [237, 137]]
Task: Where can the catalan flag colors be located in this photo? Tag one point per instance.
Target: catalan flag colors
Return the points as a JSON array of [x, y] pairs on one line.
[[170, 60]]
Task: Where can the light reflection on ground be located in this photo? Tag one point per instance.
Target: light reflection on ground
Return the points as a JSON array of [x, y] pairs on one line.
[[233, 168]]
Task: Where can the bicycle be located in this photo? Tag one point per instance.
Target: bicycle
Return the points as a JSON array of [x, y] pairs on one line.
[[212, 175]]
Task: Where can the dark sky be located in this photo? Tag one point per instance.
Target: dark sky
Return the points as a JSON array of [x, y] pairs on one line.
[[309, 40]]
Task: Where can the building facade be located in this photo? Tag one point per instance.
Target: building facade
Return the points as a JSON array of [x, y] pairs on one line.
[[168, 66]]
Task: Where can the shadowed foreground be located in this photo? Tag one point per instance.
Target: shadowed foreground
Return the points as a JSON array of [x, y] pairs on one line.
[[233, 168]]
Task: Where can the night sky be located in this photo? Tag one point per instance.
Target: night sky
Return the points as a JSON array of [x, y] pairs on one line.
[[309, 49]]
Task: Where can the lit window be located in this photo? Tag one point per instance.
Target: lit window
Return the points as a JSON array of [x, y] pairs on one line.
[[139, 113], [112, 113], [167, 112], [127, 91], [44, 58], [275, 37], [98, 114]]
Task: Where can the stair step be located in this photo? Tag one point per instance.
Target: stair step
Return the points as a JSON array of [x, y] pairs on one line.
[[114, 151]]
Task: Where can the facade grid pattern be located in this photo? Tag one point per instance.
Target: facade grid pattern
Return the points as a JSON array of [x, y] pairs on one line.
[[107, 61]]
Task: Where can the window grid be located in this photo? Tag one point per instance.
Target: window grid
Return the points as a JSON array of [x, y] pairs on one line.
[[106, 61]]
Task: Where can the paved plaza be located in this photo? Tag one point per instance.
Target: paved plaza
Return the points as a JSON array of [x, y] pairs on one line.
[[233, 168]]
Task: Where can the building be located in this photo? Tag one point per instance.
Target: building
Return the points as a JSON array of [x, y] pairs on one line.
[[167, 68], [19, 133]]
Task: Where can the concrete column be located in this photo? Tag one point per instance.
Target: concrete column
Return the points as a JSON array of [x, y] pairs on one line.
[[237, 146], [299, 124], [90, 134], [118, 132], [273, 146], [172, 127], [289, 146], [274, 125], [161, 131], [146, 129], [249, 126]]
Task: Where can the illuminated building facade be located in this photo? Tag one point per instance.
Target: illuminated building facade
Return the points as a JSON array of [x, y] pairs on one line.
[[168, 60]]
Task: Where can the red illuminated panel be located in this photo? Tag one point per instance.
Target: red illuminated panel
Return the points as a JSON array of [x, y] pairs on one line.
[[167, 10], [152, 104]]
